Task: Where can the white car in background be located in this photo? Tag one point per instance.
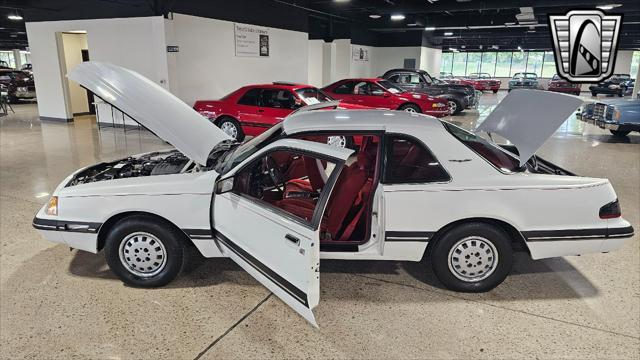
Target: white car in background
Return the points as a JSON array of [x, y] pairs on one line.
[[277, 204]]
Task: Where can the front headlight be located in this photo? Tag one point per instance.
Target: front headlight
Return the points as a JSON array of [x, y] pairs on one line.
[[22, 89], [617, 114], [438, 105], [52, 206]]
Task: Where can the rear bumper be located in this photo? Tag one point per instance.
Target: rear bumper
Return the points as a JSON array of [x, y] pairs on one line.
[[565, 90]]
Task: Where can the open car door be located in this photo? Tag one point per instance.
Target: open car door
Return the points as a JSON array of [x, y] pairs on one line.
[[267, 214]]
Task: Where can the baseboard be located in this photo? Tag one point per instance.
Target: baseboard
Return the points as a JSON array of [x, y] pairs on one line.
[[54, 119], [117, 125], [82, 113]]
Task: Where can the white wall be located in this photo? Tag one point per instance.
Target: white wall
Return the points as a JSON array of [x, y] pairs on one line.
[[314, 63], [430, 60], [135, 43], [360, 68], [206, 66], [73, 44], [387, 58]]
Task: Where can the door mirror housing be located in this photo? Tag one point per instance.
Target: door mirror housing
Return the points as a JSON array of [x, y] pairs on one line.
[[224, 185]]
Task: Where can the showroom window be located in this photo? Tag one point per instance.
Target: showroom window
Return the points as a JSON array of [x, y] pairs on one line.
[[488, 63], [548, 65], [518, 63], [250, 97], [473, 62], [635, 63], [409, 161], [534, 63], [503, 64], [7, 56], [446, 64], [459, 64]]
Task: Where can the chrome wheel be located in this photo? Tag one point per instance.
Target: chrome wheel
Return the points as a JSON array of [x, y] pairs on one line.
[[410, 109], [230, 129], [473, 258], [337, 141], [453, 107], [142, 254]]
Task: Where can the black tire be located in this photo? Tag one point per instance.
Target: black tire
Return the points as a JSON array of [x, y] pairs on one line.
[[577, 93], [458, 105], [229, 121], [594, 94], [621, 93], [169, 237], [495, 91], [620, 133], [490, 234], [410, 108]]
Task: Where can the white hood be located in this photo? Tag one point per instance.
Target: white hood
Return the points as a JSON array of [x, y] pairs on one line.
[[151, 106], [528, 118]]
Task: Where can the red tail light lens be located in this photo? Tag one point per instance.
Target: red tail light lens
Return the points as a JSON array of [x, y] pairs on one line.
[[611, 210]]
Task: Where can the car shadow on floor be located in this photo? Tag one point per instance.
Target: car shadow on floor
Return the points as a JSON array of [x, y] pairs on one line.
[[610, 139], [552, 278]]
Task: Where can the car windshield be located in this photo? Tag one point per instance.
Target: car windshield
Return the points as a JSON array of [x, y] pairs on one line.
[[237, 155], [313, 96], [493, 153], [390, 87], [525, 76]]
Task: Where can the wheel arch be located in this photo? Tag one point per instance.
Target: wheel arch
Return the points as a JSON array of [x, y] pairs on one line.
[[518, 242], [410, 103], [114, 219], [221, 117]]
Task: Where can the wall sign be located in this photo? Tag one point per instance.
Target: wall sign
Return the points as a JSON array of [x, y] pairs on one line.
[[359, 53], [173, 48], [251, 40]]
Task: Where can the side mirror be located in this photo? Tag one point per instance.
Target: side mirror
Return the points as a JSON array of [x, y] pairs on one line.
[[224, 185]]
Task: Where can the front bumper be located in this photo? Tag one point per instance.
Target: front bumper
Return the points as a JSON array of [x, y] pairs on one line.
[[75, 234], [532, 87], [25, 94], [564, 90]]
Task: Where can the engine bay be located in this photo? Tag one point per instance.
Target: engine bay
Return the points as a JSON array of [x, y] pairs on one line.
[[155, 163]]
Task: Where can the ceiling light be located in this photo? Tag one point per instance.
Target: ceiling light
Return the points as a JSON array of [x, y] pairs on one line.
[[375, 16], [608, 7], [429, 28], [448, 33], [15, 17], [412, 24], [453, 49], [341, 1], [397, 17], [520, 48]]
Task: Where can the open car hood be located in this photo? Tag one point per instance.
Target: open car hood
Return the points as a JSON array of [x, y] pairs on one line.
[[152, 106], [528, 118]]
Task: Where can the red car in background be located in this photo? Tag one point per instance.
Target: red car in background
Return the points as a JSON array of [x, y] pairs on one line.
[[481, 82], [559, 84], [381, 94], [252, 109]]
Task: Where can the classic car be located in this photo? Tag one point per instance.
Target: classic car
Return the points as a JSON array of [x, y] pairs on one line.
[[283, 201], [460, 97], [619, 116], [559, 84], [628, 87], [382, 94], [615, 85], [19, 84], [252, 109], [481, 82], [524, 81]]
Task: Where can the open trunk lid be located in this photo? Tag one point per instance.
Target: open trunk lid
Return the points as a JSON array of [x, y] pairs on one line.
[[528, 118], [152, 106]]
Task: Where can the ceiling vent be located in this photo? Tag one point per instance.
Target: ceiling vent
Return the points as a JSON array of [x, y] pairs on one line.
[[526, 16]]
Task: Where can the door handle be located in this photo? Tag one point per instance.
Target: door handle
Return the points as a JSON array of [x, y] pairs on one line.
[[292, 238]]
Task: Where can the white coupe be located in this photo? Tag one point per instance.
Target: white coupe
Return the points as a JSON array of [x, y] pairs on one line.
[[410, 186]]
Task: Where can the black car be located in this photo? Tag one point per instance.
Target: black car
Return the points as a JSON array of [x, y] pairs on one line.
[[615, 85], [19, 84], [460, 97]]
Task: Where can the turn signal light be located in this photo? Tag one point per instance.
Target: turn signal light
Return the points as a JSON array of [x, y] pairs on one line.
[[52, 206], [611, 210]]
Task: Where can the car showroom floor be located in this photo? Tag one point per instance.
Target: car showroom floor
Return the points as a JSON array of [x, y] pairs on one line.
[[61, 303]]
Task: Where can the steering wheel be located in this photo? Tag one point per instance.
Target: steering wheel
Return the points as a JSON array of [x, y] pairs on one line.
[[275, 173]]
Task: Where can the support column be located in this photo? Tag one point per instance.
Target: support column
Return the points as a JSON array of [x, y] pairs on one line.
[[18, 59]]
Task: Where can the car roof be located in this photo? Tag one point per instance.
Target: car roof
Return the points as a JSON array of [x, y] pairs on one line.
[[342, 120], [280, 85], [361, 79]]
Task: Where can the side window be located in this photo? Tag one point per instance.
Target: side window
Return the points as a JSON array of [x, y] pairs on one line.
[[277, 98], [409, 161], [286, 179], [375, 90], [395, 79], [250, 97], [345, 88], [361, 88]]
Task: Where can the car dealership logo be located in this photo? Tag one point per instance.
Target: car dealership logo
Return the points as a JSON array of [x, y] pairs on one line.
[[585, 44]]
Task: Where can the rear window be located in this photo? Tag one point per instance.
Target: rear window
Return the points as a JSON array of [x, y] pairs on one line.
[[499, 158]]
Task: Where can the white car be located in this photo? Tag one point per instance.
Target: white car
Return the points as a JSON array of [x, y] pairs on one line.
[[277, 204]]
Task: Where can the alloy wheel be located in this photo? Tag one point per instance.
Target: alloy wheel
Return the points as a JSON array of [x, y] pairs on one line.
[[473, 258], [142, 254]]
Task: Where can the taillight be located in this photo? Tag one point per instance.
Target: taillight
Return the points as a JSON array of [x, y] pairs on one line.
[[611, 210]]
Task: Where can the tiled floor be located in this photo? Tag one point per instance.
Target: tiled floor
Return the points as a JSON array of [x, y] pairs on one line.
[[58, 303]]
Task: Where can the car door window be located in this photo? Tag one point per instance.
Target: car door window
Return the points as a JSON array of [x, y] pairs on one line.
[[277, 98], [345, 88], [362, 88], [409, 161], [250, 97], [287, 180]]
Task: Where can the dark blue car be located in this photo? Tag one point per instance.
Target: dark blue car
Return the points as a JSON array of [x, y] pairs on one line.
[[620, 116]]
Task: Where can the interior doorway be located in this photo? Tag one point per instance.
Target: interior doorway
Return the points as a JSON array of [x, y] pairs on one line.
[[73, 49]]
